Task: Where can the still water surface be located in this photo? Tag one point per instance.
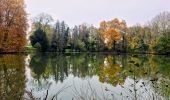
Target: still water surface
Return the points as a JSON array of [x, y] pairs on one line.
[[84, 76]]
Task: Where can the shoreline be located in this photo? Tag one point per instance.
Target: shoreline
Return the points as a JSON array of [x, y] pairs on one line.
[[92, 52]]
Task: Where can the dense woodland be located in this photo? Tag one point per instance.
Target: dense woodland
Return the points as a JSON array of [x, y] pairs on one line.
[[112, 36]]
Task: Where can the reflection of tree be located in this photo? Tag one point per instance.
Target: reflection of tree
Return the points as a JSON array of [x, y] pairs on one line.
[[163, 62], [79, 65], [61, 65], [162, 87], [12, 77], [147, 76], [83, 65], [38, 64], [95, 60], [110, 72], [40, 70]]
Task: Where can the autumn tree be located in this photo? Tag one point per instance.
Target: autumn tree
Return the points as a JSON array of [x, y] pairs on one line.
[[13, 24], [112, 32]]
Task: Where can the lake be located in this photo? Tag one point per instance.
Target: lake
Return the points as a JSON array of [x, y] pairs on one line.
[[84, 76]]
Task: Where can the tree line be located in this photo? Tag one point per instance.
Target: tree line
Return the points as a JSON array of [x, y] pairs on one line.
[[111, 36]]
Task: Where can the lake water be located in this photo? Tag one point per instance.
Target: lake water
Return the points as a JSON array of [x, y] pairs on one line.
[[83, 76]]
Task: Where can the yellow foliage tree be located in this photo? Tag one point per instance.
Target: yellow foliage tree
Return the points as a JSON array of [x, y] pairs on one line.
[[111, 36], [111, 31]]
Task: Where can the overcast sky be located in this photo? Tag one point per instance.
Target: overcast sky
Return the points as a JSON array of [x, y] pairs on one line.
[[75, 12]]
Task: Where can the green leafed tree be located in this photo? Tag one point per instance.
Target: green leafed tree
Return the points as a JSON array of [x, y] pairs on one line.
[[39, 40], [163, 44], [60, 37]]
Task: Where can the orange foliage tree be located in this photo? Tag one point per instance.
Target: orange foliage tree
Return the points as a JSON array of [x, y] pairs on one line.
[[13, 24], [111, 31]]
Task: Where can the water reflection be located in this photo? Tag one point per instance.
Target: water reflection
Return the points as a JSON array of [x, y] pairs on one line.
[[143, 77], [12, 77], [133, 77], [61, 65], [139, 76]]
